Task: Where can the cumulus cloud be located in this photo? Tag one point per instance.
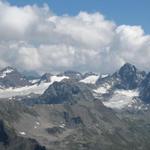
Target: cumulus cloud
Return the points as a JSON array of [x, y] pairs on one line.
[[34, 38]]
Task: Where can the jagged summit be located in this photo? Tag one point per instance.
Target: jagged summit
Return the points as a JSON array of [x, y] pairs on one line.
[[10, 77], [7, 70], [127, 68], [46, 77], [130, 77]]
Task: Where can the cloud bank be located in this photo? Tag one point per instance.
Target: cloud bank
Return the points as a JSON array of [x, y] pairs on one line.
[[34, 38]]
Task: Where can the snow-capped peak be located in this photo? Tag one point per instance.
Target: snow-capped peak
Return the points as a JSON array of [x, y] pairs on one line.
[[36, 88], [6, 71]]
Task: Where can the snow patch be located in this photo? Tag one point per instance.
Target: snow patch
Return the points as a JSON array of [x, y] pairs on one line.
[[22, 133], [37, 124], [34, 81], [129, 93], [62, 126], [58, 78], [90, 79], [104, 75]]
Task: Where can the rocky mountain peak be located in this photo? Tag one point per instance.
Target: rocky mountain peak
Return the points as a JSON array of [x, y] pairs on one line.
[[127, 69], [130, 77], [66, 91], [9, 68], [6, 71], [46, 77], [10, 77]]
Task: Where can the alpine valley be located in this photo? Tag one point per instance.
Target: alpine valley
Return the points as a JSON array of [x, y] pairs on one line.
[[75, 111]]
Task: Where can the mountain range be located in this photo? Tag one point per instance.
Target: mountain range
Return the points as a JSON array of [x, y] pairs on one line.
[[75, 111]]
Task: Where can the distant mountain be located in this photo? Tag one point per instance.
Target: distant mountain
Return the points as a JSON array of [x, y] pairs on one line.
[[128, 87], [87, 74], [128, 77], [31, 75], [122, 89], [10, 77], [45, 78], [73, 75], [65, 91]]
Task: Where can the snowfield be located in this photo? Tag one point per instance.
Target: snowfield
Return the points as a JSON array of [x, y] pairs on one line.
[[122, 99], [90, 79], [103, 89], [37, 89], [104, 75]]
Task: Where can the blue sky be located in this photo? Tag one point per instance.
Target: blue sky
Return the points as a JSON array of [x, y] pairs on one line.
[[131, 12]]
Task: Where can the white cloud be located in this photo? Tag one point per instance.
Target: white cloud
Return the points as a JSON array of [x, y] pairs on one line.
[[34, 38]]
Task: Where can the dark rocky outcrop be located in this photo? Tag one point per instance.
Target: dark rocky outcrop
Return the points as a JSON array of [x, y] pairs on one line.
[[130, 77], [4, 139], [55, 130], [145, 89], [66, 91]]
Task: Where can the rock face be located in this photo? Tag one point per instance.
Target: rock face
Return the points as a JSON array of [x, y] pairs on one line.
[[130, 77], [66, 91], [3, 135], [145, 89], [10, 77]]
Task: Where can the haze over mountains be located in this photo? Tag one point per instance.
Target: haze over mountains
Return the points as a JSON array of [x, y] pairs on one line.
[[77, 111]]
